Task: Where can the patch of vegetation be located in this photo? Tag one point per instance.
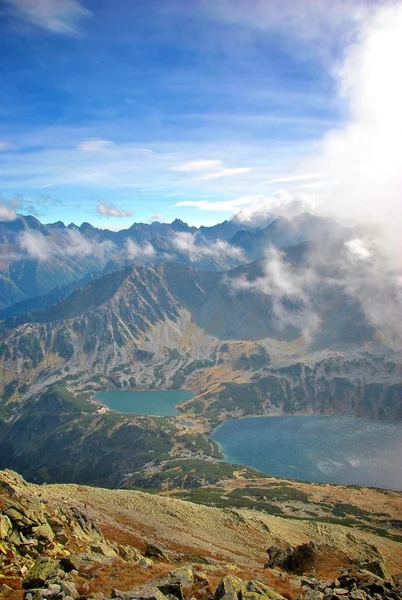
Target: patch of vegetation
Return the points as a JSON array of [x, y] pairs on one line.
[[62, 344], [341, 509], [216, 497], [180, 376], [9, 389], [29, 347], [280, 493], [191, 474]]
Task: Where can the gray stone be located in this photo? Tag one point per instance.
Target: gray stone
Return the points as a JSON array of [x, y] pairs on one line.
[[68, 588], [154, 551], [142, 592], [313, 595], [51, 591]]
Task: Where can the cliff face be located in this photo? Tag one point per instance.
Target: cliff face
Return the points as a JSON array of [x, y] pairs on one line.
[[68, 541]]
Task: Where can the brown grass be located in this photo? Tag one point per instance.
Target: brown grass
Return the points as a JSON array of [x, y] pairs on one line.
[[119, 574]]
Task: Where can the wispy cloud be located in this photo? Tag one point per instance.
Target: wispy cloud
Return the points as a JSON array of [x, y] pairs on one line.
[[135, 251], [197, 165], [5, 146], [35, 245], [41, 248], [355, 270], [311, 26], [295, 178], [57, 16], [217, 206], [108, 210], [289, 290], [94, 145], [33, 206], [156, 217], [7, 213], [188, 244], [216, 169], [226, 173]]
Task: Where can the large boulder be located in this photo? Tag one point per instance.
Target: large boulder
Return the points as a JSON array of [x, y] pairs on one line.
[[183, 574], [230, 588], [44, 569], [155, 551], [234, 588], [256, 589], [176, 583], [298, 560]]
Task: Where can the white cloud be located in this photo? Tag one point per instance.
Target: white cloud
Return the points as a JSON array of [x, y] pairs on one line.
[[74, 244], [135, 251], [261, 208], [296, 291], [107, 210], [7, 213], [226, 173], [156, 217], [4, 146], [94, 145], [289, 290], [35, 244], [57, 16], [197, 165], [187, 244], [359, 248], [365, 156], [258, 209], [307, 27]]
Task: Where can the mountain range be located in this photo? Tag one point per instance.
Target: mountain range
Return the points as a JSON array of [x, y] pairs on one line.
[[305, 328], [36, 258]]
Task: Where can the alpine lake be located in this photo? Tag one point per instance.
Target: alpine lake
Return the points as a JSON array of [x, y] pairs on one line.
[[161, 403], [327, 449]]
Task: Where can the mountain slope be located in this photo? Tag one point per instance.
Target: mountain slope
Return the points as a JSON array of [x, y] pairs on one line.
[[172, 325]]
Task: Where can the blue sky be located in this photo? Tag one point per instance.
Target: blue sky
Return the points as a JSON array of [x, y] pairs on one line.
[[118, 111]]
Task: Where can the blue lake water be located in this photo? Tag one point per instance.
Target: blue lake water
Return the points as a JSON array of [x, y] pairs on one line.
[[327, 449], [152, 402]]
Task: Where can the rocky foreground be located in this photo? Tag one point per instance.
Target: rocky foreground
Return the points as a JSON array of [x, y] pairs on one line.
[[72, 542]]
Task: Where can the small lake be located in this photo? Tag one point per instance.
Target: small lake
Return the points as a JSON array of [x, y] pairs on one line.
[[150, 402], [328, 449]]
